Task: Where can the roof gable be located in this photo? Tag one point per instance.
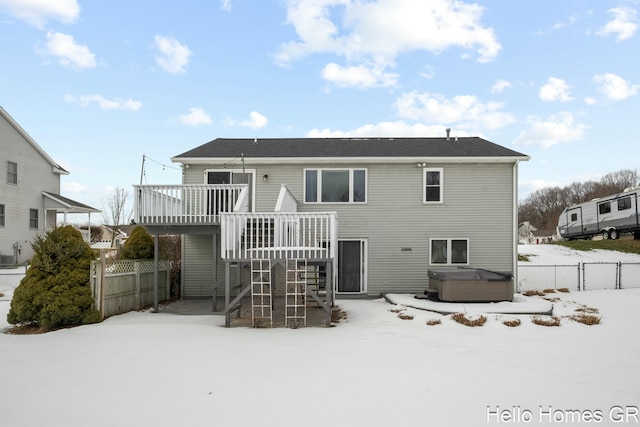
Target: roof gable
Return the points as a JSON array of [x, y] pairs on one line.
[[469, 147], [56, 167]]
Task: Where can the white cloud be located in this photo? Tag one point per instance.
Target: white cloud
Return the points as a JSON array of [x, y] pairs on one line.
[[104, 103], [358, 76], [376, 32], [589, 100], [69, 53], [73, 188], [499, 86], [173, 56], [572, 20], [225, 5], [256, 121], [465, 111], [383, 129], [37, 12], [615, 87], [195, 117], [556, 129], [624, 23], [555, 90], [527, 187]]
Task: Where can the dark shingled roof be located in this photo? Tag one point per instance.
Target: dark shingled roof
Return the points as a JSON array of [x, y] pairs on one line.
[[349, 147]]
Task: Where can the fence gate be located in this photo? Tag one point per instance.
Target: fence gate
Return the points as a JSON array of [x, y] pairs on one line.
[[600, 275]]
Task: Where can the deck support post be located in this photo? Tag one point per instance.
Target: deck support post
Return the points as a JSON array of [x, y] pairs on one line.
[[155, 272], [329, 288], [227, 284]]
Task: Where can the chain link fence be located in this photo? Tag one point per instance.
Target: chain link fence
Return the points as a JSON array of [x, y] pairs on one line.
[[579, 276]]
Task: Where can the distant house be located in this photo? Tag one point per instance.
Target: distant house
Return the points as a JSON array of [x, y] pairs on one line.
[[30, 199], [112, 237], [366, 215]]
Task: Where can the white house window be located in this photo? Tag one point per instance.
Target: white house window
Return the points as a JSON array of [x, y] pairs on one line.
[[33, 219], [449, 251], [12, 173], [1, 215], [433, 183], [335, 186]]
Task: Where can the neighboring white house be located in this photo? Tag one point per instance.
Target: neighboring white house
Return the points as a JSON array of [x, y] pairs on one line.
[[30, 199], [370, 215]]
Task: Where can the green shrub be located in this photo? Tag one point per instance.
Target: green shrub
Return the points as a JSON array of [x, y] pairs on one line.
[[55, 290], [139, 245]]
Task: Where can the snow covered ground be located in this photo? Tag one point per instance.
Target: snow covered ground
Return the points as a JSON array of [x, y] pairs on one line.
[[374, 369]]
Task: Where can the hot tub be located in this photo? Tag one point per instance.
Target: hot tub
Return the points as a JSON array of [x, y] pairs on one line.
[[471, 285]]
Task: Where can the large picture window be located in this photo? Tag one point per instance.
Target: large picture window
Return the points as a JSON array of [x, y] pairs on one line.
[[433, 185], [449, 251], [335, 186]]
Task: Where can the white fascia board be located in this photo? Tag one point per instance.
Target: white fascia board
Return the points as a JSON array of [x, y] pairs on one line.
[[339, 160]]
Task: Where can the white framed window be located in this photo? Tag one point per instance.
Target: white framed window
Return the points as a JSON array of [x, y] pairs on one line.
[[2, 216], [33, 219], [449, 251], [432, 185], [335, 185], [12, 173]]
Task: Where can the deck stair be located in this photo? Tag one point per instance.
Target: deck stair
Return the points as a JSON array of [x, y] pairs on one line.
[[295, 293], [261, 293]]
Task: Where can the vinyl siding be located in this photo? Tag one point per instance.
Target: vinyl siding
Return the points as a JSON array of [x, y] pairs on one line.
[[197, 268], [35, 174], [478, 205]]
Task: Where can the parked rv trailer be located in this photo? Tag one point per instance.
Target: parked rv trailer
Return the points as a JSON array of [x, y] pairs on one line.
[[606, 216]]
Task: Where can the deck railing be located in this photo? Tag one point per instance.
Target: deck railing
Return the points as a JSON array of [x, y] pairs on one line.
[[279, 235], [187, 204]]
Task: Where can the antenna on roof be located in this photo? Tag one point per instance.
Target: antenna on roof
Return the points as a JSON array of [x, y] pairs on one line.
[[142, 169]]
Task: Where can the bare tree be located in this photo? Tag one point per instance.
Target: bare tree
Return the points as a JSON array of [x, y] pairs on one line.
[[543, 206], [115, 213]]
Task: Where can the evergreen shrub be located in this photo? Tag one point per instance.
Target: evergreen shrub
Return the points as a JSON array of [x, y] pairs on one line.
[[55, 290], [139, 245]]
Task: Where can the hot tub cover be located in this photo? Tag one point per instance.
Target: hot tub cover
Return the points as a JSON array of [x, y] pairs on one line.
[[469, 274]]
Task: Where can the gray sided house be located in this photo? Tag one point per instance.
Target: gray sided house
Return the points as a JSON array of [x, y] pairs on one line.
[[366, 215], [30, 197]]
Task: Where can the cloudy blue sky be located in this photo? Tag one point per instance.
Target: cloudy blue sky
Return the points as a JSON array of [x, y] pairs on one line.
[[99, 84]]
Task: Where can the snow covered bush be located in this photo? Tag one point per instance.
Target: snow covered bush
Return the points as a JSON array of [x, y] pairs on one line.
[[138, 246], [55, 289]]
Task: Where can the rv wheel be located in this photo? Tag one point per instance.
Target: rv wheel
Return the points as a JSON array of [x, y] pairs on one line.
[[605, 235], [613, 234]]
